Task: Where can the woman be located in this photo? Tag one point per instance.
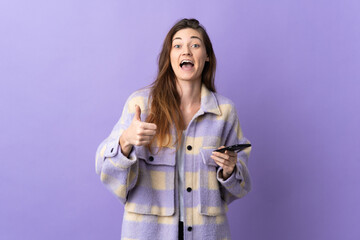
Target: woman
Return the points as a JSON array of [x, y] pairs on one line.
[[159, 159]]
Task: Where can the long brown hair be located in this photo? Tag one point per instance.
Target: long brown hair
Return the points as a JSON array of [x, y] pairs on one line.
[[164, 99]]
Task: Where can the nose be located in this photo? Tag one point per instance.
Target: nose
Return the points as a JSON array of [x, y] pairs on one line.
[[187, 51]]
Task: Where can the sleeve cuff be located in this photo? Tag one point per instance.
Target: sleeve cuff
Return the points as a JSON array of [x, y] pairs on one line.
[[235, 176], [238, 172], [113, 151]]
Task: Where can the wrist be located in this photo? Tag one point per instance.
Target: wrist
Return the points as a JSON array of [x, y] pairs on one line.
[[125, 145], [226, 175]]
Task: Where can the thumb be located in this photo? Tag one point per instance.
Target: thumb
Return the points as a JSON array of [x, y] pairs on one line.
[[137, 112]]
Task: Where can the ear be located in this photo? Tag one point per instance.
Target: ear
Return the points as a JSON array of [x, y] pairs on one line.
[[207, 58]]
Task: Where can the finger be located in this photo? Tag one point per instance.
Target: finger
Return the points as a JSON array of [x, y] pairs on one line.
[[137, 112], [142, 142], [144, 138], [231, 153], [150, 126], [145, 132], [226, 157], [145, 142], [221, 155], [232, 159], [221, 161], [221, 147], [228, 160]]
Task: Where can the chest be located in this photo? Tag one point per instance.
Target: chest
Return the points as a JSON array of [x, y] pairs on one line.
[[188, 114]]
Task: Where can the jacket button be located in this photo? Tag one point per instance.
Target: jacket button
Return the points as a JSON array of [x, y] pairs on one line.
[[151, 158], [189, 229], [112, 150], [189, 189], [189, 147]]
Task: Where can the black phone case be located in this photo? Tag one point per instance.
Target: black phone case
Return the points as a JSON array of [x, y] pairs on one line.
[[234, 148]]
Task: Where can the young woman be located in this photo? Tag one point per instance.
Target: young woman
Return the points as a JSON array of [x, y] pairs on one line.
[[159, 159]]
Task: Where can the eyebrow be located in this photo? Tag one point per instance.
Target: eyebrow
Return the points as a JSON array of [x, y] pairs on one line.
[[190, 37]]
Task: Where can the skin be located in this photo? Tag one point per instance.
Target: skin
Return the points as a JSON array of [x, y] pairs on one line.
[[137, 134], [186, 44], [225, 160]]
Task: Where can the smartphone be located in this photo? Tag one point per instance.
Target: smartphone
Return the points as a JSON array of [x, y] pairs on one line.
[[234, 148]]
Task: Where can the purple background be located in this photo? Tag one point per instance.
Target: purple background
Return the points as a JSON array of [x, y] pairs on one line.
[[291, 67]]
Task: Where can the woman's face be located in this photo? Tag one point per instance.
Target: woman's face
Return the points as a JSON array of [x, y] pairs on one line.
[[188, 55]]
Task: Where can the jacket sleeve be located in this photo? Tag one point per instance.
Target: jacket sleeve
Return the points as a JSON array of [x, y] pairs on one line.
[[117, 172], [239, 183]]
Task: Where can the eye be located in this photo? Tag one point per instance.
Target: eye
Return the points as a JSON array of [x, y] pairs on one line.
[[196, 45], [176, 46]]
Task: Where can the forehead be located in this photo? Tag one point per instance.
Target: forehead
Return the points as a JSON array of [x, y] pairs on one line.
[[187, 34]]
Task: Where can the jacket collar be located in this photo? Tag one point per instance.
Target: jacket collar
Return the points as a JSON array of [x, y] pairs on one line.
[[209, 103]]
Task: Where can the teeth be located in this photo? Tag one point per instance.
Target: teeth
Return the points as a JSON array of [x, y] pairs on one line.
[[186, 61]]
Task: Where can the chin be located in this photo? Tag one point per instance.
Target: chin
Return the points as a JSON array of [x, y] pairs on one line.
[[188, 78]]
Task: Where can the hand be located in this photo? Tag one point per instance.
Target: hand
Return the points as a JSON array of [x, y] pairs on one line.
[[225, 160], [138, 133]]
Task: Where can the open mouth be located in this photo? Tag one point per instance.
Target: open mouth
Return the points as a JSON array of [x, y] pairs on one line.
[[186, 64]]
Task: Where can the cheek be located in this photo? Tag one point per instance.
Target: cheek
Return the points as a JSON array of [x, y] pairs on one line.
[[203, 58], [202, 62], [172, 60]]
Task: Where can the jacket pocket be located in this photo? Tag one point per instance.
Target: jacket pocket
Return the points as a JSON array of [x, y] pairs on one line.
[[154, 190], [211, 202]]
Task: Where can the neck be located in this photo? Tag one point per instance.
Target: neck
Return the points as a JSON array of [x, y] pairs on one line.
[[189, 92]]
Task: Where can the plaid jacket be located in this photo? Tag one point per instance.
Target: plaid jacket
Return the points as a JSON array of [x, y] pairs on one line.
[[147, 183]]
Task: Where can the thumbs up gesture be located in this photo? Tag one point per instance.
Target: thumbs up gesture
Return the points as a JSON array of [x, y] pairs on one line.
[[138, 133]]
